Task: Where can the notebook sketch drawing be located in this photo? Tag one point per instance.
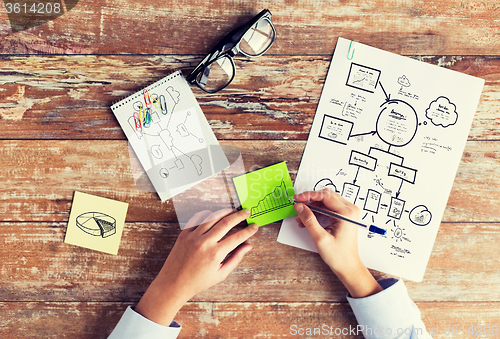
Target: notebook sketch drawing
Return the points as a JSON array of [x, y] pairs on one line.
[[170, 135]]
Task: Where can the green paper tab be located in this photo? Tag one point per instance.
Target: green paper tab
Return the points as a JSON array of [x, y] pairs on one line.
[[265, 193]]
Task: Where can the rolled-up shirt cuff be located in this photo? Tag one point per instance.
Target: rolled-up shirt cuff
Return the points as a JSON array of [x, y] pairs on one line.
[[132, 325], [386, 313]]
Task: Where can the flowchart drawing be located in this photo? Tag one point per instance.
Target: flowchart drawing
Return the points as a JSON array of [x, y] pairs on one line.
[[388, 134], [158, 129], [170, 135]]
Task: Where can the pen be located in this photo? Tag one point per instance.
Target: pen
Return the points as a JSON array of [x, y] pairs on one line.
[[371, 228]]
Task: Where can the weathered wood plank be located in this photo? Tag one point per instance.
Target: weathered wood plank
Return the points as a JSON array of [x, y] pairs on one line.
[[39, 178], [38, 266], [53, 290], [68, 97], [154, 27], [232, 320], [77, 32]]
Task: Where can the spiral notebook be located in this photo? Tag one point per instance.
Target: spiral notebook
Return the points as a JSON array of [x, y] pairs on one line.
[[170, 135]]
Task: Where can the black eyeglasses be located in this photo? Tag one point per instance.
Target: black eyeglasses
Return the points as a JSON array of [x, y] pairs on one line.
[[217, 69]]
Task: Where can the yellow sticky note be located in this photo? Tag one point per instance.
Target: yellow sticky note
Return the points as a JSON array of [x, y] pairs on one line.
[[96, 223]]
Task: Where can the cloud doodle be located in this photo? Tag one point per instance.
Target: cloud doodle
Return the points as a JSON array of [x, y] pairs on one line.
[[442, 112], [403, 81]]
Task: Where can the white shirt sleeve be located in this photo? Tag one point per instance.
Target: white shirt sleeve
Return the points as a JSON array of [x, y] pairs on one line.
[[132, 325], [389, 314]]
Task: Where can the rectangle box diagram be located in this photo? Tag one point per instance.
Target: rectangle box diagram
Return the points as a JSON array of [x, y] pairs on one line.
[[350, 192], [372, 201], [363, 160], [335, 129], [363, 77], [397, 208], [402, 172]]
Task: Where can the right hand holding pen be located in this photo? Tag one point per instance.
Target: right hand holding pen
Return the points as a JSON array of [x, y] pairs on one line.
[[337, 244]]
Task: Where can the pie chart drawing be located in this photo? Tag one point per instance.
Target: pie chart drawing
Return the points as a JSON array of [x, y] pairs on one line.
[[96, 224]]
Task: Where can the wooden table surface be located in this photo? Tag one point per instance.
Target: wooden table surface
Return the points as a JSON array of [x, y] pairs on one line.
[[58, 135]]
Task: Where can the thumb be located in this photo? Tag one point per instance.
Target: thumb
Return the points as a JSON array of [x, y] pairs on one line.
[[310, 222]]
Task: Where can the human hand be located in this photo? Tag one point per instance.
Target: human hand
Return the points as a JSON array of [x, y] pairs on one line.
[[199, 259], [337, 244]]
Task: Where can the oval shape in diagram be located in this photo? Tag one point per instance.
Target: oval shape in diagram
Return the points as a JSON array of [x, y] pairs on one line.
[[397, 123]]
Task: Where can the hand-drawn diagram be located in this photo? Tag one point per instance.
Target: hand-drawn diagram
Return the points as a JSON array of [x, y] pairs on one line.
[[388, 135], [170, 135], [96, 224], [146, 121], [399, 234], [273, 201], [396, 125]]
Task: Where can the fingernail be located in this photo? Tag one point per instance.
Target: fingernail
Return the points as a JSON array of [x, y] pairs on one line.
[[299, 208], [246, 210], [255, 226]]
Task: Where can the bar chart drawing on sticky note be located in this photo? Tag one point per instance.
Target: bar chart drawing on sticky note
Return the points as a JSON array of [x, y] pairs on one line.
[[273, 201], [265, 193]]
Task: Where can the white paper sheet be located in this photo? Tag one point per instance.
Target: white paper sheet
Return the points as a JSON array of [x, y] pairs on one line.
[[388, 134], [170, 135]]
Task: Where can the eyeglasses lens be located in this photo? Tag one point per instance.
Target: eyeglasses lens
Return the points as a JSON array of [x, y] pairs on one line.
[[219, 73], [216, 75], [258, 38]]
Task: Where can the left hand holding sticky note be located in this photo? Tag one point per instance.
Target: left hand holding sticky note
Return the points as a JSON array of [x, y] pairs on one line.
[[265, 193], [96, 223]]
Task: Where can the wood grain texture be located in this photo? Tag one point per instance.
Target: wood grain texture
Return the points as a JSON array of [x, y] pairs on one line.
[[435, 27], [231, 320], [39, 178], [463, 267], [58, 135], [68, 97]]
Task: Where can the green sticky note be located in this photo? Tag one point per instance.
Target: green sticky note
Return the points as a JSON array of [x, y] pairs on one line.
[[265, 193]]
